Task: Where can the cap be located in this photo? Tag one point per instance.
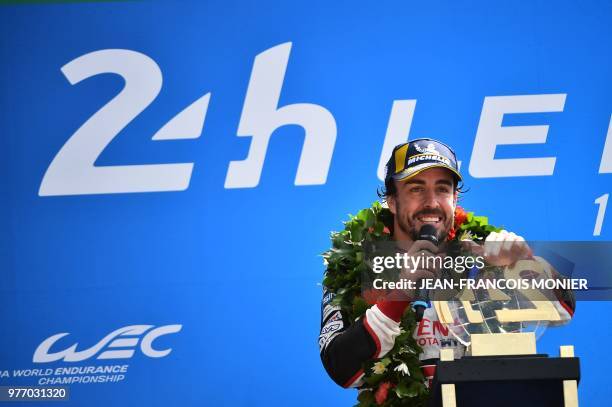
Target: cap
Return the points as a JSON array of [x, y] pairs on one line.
[[409, 159]]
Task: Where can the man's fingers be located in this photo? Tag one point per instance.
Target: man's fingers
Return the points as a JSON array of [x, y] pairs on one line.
[[504, 248], [423, 245], [473, 247], [421, 274], [496, 236], [418, 274], [515, 246], [426, 255], [507, 245]]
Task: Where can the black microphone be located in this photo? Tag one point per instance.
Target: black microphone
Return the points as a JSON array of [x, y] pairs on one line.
[[421, 299]]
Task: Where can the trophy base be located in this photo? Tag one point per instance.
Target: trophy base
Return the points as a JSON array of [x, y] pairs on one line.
[[541, 393], [506, 381], [503, 344]]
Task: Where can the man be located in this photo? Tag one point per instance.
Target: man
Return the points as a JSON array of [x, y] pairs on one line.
[[421, 188]]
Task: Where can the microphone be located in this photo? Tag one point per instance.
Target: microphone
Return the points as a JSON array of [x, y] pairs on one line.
[[421, 300]]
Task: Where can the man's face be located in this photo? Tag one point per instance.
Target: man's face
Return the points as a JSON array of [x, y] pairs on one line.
[[427, 198]]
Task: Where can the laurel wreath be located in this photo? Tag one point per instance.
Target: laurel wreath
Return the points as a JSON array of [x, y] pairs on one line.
[[396, 379]]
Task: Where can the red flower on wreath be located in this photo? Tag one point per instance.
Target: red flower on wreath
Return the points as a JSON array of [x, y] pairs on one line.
[[382, 392], [460, 218], [385, 230]]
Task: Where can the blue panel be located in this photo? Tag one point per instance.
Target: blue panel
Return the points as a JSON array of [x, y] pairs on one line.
[[238, 268]]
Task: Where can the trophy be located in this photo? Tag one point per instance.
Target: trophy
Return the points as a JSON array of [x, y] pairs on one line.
[[499, 328]]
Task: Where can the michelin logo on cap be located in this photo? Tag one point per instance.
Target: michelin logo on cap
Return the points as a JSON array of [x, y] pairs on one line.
[[436, 157]]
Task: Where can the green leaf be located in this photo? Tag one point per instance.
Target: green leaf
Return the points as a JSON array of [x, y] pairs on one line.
[[482, 220], [416, 388], [356, 232], [362, 267], [401, 390], [373, 379], [370, 219], [367, 217], [404, 390], [366, 398], [378, 228], [337, 300], [360, 306]]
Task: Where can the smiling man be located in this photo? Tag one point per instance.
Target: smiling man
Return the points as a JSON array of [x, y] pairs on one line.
[[422, 185]]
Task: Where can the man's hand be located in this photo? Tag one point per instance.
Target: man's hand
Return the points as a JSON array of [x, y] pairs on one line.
[[396, 301], [505, 248], [500, 248], [424, 252]]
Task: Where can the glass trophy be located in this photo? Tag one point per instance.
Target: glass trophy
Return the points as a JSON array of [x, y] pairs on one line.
[[498, 316]]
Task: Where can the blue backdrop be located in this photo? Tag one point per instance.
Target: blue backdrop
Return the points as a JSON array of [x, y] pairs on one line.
[[225, 260]]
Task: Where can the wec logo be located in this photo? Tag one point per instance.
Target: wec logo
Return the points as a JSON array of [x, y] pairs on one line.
[[118, 344]]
